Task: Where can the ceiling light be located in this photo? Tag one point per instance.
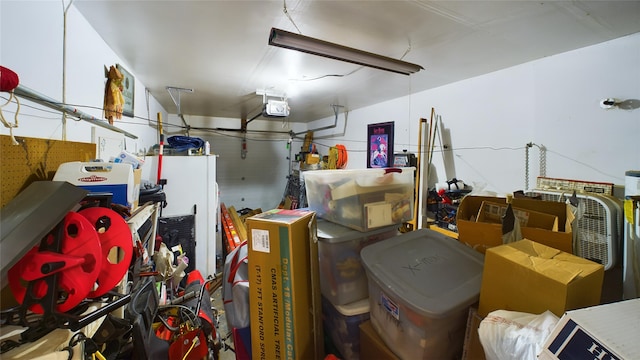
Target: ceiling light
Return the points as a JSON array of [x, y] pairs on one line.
[[313, 46]]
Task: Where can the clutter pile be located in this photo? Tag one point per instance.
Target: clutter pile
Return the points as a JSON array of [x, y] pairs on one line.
[[92, 277]]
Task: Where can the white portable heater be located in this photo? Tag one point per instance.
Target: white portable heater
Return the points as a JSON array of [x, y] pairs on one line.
[[598, 230]]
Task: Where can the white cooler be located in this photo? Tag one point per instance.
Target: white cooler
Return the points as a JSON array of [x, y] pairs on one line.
[[101, 177]]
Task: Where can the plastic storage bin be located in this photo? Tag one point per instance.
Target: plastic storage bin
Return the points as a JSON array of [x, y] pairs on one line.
[[421, 285], [342, 277], [342, 322], [362, 199]]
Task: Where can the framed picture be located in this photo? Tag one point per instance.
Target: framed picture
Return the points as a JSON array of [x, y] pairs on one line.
[[128, 91], [380, 145]]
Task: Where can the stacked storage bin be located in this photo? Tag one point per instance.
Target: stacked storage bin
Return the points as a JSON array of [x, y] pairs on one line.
[[356, 208], [343, 282], [421, 286], [361, 199]]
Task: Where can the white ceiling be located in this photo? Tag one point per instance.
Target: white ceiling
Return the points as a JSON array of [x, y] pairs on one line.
[[219, 48]]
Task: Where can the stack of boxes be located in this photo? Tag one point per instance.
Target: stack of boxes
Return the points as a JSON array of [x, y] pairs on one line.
[[356, 208], [388, 295], [343, 282], [422, 285], [532, 275], [529, 277]]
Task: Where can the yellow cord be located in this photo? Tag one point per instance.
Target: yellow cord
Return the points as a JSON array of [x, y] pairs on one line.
[[194, 342]]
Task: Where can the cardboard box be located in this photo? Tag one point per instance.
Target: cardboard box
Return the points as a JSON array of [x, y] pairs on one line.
[[600, 332], [530, 277], [126, 157], [137, 178], [483, 235], [284, 291], [472, 349], [371, 344], [491, 212]]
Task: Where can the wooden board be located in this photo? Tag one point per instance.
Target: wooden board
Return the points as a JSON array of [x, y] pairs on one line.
[[238, 223], [233, 240], [34, 160]]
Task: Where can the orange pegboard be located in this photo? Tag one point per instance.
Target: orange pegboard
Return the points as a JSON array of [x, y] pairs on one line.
[[35, 159]]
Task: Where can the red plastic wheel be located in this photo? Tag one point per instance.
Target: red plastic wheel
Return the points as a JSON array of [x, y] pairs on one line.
[[117, 247], [78, 264]]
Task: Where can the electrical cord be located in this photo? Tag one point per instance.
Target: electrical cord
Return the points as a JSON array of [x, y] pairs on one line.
[[90, 347], [15, 118], [194, 342], [222, 132]]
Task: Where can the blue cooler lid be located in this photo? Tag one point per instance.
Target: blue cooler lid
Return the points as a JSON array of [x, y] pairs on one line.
[[432, 273]]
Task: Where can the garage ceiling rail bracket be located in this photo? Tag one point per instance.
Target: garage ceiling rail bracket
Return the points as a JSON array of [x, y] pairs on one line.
[[175, 92]]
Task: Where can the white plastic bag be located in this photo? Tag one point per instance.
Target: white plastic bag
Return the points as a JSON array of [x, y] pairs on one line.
[[507, 335]]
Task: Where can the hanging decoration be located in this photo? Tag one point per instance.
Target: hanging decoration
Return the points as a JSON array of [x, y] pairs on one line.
[[113, 98]]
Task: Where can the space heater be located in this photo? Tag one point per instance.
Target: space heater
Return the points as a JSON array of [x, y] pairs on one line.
[[598, 231]]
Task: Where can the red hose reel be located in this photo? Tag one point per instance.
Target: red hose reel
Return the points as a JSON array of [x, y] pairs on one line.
[[87, 254]]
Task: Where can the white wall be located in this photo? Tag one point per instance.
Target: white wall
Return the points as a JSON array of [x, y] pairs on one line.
[[31, 44], [32, 38], [258, 180], [552, 102]]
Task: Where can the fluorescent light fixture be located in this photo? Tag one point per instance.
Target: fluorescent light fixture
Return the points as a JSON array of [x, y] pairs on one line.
[[293, 41]]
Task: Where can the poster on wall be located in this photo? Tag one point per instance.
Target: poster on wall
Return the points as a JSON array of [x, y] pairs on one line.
[[380, 145], [128, 91]]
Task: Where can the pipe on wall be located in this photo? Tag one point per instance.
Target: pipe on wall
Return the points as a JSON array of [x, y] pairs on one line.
[[335, 122], [44, 100]]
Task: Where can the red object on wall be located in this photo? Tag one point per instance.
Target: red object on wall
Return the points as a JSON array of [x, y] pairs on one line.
[[8, 79]]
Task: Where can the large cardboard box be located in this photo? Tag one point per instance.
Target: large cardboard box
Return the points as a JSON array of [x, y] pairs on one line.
[[372, 346], [483, 235], [472, 346], [607, 331], [531, 277], [284, 290], [491, 212]]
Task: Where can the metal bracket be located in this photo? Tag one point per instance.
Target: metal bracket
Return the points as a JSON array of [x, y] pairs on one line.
[[174, 92]]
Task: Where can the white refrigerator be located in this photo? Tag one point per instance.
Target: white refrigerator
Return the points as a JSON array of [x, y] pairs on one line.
[[191, 187]]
